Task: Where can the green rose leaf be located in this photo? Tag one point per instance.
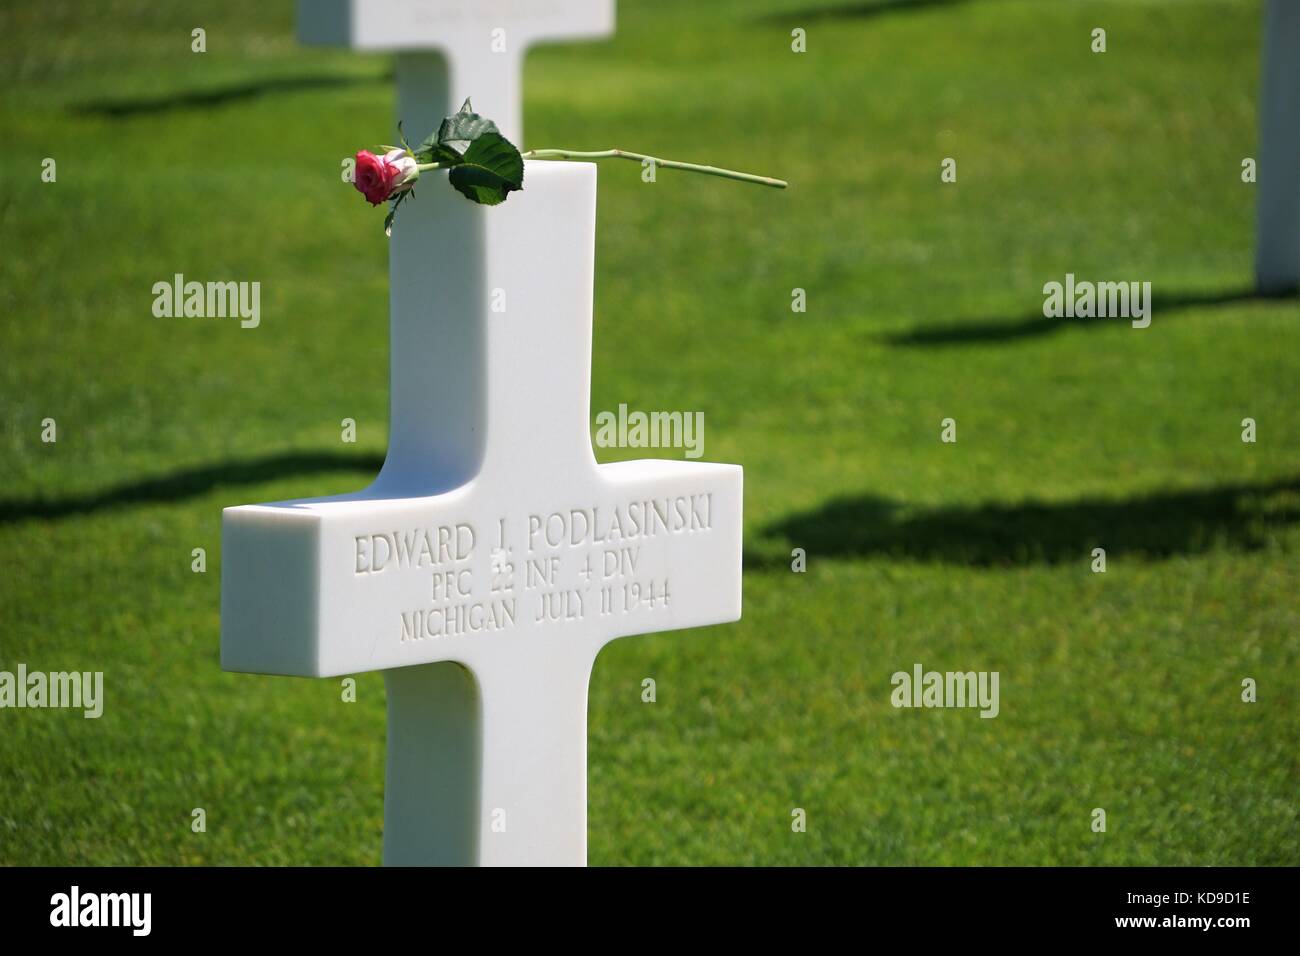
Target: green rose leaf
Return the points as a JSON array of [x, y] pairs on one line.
[[464, 127], [431, 151], [490, 169]]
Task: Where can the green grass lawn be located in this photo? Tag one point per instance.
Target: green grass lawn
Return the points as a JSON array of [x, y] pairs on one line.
[[1118, 690]]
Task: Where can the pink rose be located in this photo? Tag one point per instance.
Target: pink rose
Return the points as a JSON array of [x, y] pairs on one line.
[[379, 178]]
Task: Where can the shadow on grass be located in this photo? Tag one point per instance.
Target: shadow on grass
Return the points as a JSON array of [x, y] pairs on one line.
[[1159, 525], [857, 11], [220, 96], [189, 483], [1033, 326]]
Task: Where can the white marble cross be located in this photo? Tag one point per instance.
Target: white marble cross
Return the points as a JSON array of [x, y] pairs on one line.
[[452, 49], [492, 558], [491, 539], [1277, 249]]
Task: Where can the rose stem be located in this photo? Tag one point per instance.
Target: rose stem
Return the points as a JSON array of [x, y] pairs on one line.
[[667, 163]]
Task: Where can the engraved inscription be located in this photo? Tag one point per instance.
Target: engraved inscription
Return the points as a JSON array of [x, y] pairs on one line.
[[413, 547], [544, 569], [637, 519]]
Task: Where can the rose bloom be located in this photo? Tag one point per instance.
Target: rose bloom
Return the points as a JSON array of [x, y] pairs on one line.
[[381, 177]]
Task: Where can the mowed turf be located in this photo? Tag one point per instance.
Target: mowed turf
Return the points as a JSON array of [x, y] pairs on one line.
[[1119, 691]]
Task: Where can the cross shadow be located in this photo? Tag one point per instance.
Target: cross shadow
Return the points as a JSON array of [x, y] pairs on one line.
[[857, 11], [189, 483], [1033, 326], [1159, 525], [220, 96]]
